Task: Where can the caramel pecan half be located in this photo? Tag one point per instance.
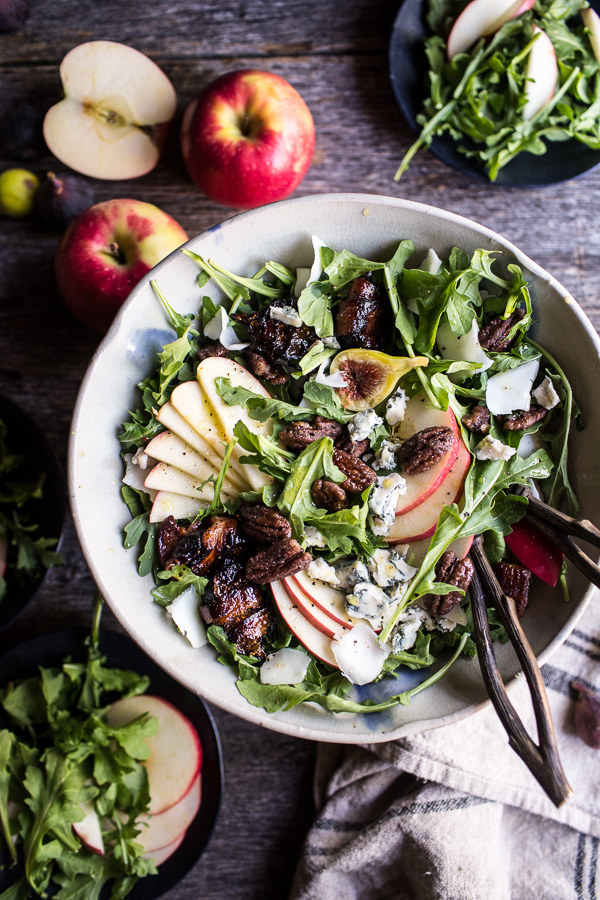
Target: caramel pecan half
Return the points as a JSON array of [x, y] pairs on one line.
[[328, 495], [478, 420], [424, 449], [358, 474], [454, 571], [514, 581], [280, 559], [519, 421], [298, 435], [262, 524], [494, 335], [212, 348], [354, 448], [263, 369]]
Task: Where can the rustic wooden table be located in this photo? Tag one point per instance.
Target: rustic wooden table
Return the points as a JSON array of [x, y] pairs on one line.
[[336, 56]]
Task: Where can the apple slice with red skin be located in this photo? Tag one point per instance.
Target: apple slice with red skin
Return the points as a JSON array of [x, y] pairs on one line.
[[421, 522], [313, 612], [541, 75], [175, 752], [168, 504], [161, 830], [88, 830], [326, 597], [162, 855], [481, 18], [310, 637], [536, 551], [419, 415]]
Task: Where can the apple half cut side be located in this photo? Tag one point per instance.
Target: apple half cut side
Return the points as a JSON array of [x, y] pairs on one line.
[[113, 120], [228, 416], [421, 522], [321, 620], [310, 637], [481, 18], [420, 415], [330, 600], [175, 752]]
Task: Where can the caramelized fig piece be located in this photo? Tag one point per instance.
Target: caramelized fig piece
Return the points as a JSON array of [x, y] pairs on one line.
[[230, 598], [364, 317], [370, 375], [587, 715], [249, 634]]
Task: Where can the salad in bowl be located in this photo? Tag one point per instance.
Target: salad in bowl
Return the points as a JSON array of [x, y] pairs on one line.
[[309, 455]]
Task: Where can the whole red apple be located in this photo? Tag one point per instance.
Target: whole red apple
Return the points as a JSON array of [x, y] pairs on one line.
[[106, 250], [248, 139]]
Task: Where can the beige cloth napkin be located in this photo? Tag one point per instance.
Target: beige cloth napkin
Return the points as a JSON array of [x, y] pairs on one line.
[[454, 813]]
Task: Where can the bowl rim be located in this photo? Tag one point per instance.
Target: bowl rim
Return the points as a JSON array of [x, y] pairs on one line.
[[257, 715]]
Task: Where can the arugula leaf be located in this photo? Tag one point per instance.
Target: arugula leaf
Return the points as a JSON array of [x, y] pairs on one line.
[[295, 500], [178, 579]]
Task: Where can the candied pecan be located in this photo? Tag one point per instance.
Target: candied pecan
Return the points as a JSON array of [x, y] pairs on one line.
[[363, 317], [249, 634], [280, 559], [354, 448], [494, 335], [478, 420], [358, 474], [514, 581], [424, 449], [212, 348], [298, 435], [519, 421], [450, 570], [262, 524], [263, 369], [328, 495]]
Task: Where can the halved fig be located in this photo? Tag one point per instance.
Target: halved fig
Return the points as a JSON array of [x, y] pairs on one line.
[[370, 375]]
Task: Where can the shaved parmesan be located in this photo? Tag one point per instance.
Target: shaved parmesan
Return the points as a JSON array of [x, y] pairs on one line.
[[359, 654], [511, 390]]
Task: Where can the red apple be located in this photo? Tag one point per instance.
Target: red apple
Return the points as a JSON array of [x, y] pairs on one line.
[[248, 139], [106, 250], [536, 551]]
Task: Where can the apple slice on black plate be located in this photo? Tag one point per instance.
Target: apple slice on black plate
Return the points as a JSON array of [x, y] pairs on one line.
[[22, 660], [25, 438], [408, 72]]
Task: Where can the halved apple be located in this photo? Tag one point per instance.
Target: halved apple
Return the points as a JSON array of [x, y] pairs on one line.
[[310, 637], [421, 521], [419, 415], [175, 752], [114, 117]]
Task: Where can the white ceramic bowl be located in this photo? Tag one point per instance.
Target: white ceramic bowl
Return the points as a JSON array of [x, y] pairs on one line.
[[371, 226]]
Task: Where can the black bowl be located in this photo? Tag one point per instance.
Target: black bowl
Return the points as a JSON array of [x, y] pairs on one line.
[[563, 161], [50, 649], [28, 440]]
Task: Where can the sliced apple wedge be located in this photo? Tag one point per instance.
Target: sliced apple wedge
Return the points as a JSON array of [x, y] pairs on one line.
[[114, 117], [330, 600], [177, 505], [479, 19], [88, 830], [419, 415], [536, 551], [591, 20], [321, 620], [228, 416], [175, 752], [168, 416], [542, 74], [162, 830], [420, 522], [161, 856], [164, 477], [188, 400], [168, 448], [310, 637]]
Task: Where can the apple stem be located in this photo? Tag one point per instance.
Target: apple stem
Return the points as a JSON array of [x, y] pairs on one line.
[[116, 251]]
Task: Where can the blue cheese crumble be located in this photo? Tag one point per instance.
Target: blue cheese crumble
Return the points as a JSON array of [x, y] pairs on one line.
[[363, 424], [286, 314], [383, 500], [546, 394], [395, 408], [491, 448]]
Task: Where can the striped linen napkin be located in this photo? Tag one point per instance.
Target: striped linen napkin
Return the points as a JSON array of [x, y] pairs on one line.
[[454, 813]]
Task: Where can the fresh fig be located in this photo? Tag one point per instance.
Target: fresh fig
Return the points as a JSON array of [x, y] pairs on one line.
[[17, 191], [370, 375], [587, 715], [21, 134], [13, 14], [62, 197]]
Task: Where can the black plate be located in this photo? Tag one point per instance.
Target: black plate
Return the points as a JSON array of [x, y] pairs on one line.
[[26, 438], [50, 649], [563, 161]]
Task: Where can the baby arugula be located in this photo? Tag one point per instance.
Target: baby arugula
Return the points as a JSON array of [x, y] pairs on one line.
[[59, 752], [478, 97]]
